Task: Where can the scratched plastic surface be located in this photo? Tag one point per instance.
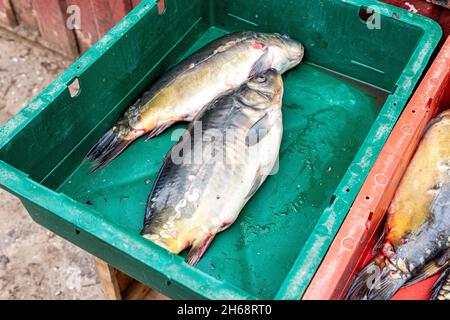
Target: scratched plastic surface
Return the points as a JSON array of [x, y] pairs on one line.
[[334, 125], [321, 112]]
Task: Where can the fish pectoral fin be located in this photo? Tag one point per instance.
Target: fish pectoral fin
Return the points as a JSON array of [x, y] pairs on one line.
[[263, 64], [258, 131], [257, 182], [435, 266], [158, 130], [199, 247]]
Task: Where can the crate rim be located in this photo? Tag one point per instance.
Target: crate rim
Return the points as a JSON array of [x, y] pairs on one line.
[[303, 269]]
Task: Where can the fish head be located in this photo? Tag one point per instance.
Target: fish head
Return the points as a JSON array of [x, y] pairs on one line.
[[266, 89], [286, 52]]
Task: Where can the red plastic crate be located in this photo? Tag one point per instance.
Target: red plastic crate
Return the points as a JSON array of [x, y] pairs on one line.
[[352, 247], [444, 21], [418, 6]]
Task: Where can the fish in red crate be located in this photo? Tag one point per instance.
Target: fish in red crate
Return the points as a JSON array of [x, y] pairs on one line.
[[443, 3], [416, 241], [441, 289]]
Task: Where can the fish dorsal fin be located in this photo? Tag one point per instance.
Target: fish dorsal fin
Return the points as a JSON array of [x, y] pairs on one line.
[[258, 131], [433, 267]]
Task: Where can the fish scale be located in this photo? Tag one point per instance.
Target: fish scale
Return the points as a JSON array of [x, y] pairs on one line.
[[181, 93], [191, 202], [416, 243]]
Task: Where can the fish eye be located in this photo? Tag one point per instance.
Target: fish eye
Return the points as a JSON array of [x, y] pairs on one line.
[[261, 78], [285, 36]]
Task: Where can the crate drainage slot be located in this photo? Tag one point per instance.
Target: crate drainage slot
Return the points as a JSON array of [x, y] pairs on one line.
[[74, 88]]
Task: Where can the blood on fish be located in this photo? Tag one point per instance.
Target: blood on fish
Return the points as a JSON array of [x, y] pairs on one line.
[[257, 45]]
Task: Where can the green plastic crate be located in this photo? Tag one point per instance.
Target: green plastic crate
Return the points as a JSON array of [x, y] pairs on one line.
[[339, 108]]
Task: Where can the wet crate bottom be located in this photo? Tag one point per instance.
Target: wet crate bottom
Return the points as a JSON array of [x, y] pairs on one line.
[[326, 119]]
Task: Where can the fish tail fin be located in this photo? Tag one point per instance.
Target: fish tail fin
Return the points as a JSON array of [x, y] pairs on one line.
[[375, 283], [106, 149], [438, 287], [199, 247]]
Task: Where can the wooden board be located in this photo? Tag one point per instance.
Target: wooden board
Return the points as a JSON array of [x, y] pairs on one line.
[[109, 13], [7, 16], [161, 5], [25, 14], [88, 33], [97, 18], [116, 285], [135, 3], [51, 16]]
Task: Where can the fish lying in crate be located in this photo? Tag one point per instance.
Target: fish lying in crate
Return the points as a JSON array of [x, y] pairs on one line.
[[237, 143], [181, 93], [233, 89], [416, 241]]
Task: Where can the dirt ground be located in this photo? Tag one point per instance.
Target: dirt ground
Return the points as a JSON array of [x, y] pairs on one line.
[[34, 263]]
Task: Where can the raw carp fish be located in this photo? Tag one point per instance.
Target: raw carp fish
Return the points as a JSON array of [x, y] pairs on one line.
[[181, 93], [221, 160], [417, 232]]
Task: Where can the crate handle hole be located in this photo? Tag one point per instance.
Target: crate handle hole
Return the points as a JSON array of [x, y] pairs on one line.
[[77, 232], [333, 199], [347, 190], [74, 88], [365, 14]]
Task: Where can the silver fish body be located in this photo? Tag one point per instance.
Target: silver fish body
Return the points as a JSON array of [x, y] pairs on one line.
[[181, 93], [208, 177]]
